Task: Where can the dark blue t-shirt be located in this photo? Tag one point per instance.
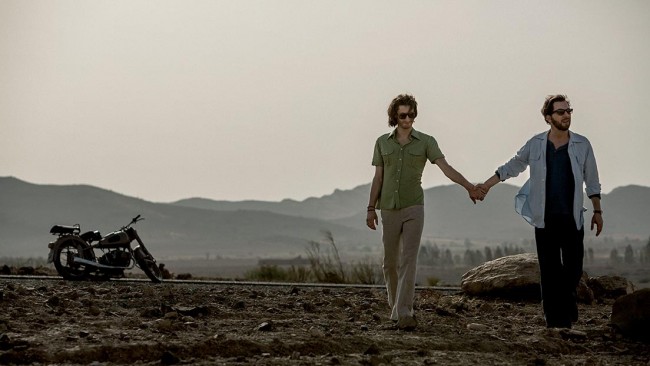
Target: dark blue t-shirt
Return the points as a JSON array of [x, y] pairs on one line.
[[559, 181]]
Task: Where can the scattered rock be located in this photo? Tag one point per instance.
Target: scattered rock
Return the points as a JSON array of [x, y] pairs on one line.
[[316, 333], [164, 325], [373, 349], [169, 358], [514, 276], [184, 276], [631, 314], [265, 327], [477, 327], [25, 271], [151, 313], [166, 275], [53, 301], [171, 315], [610, 287], [340, 302], [94, 310], [5, 342], [584, 294], [573, 334]]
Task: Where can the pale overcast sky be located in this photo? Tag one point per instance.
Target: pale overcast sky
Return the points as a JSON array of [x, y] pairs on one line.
[[273, 99]]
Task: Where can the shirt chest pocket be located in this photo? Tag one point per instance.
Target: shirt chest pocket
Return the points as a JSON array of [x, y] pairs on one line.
[[536, 163], [581, 156], [416, 159], [535, 155], [388, 156]]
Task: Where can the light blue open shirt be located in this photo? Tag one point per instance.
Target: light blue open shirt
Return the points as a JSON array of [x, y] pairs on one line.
[[531, 199]]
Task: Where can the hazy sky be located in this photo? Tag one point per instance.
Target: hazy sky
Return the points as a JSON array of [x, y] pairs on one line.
[[273, 99]]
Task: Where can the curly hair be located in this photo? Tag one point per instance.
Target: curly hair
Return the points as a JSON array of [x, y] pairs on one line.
[[402, 99], [547, 108]]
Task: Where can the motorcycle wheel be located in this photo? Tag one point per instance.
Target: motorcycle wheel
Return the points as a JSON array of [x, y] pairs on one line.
[[148, 265], [64, 261]]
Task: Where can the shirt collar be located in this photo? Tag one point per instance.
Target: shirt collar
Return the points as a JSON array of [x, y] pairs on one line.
[[573, 137], [414, 134]]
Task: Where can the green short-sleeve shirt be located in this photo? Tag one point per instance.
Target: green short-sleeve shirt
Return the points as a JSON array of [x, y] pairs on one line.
[[403, 167]]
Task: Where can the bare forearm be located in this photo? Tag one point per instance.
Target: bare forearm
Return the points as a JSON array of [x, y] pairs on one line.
[[375, 190], [595, 201], [492, 181], [456, 177]]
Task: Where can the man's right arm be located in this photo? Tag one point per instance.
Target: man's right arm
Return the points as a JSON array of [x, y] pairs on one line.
[[492, 181], [512, 168], [375, 190]]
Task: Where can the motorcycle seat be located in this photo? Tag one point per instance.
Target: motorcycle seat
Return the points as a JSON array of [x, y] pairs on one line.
[[64, 229], [91, 236]]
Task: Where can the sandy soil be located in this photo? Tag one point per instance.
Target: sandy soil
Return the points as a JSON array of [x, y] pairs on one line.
[[106, 323]]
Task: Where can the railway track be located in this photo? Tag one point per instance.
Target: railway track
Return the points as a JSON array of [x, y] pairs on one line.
[[444, 289]]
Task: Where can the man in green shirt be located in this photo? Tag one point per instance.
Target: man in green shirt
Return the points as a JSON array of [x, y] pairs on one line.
[[399, 159]]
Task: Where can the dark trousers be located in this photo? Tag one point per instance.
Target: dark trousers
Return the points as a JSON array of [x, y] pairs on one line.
[[560, 250]]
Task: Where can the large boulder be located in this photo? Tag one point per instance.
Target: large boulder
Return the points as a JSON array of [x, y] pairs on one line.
[[631, 314], [610, 287], [513, 276]]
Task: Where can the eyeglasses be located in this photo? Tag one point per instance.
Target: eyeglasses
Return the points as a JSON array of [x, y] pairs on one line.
[[404, 115], [561, 112]]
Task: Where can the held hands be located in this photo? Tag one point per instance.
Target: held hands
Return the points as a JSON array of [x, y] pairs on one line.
[[477, 192], [484, 188]]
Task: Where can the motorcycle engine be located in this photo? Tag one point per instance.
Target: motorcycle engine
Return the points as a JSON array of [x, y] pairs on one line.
[[118, 258]]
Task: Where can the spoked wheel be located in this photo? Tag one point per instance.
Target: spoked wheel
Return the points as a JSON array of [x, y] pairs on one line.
[[148, 265], [64, 262]]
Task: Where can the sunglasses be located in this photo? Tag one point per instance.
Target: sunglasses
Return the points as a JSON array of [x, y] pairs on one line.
[[404, 115], [561, 112]]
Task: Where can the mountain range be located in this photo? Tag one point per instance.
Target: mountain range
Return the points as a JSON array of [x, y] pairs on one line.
[[199, 227]]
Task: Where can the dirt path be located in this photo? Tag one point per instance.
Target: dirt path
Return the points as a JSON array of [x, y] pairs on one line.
[[60, 322]]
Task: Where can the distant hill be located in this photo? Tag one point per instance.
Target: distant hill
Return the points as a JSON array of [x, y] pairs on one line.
[[29, 211], [333, 206], [197, 226], [450, 214]]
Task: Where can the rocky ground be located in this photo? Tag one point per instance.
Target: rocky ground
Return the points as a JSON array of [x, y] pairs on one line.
[[117, 322]]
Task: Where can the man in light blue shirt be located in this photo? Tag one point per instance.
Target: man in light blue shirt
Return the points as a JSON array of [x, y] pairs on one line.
[[561, 163]]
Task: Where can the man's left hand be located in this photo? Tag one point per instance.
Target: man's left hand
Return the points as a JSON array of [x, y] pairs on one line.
[[597, 219]]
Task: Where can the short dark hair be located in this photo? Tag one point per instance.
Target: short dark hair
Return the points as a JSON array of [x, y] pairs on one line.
[[547, 108], [402, 99]]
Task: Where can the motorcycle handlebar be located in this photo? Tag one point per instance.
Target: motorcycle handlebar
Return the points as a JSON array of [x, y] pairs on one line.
[[133, 221]]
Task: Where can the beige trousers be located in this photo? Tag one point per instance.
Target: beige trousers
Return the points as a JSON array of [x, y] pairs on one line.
[[402, 232]]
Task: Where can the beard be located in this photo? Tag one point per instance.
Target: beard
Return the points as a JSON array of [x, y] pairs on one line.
[[560, 125]]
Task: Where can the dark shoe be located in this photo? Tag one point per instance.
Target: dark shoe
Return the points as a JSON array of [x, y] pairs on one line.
[[566, 325]]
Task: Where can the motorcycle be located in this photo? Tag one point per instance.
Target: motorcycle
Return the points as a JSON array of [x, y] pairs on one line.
[[75, 258]]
